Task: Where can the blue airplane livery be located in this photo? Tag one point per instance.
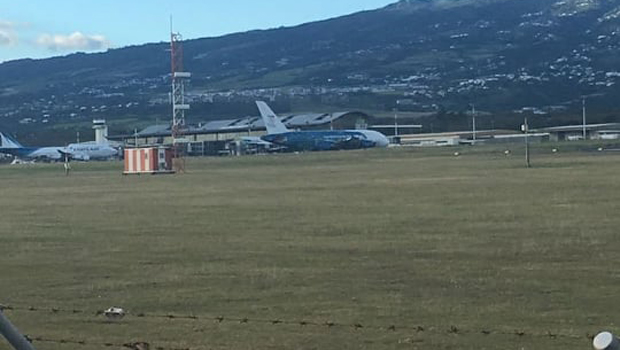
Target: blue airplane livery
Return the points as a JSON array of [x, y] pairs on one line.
[[328, 140]]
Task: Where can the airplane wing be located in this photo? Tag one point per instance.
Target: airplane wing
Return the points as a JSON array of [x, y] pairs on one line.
[[39, 153], [260, 143], [75, 155], [349, 142], [255, 141]]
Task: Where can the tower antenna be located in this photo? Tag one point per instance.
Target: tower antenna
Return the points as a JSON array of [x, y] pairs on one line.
[[179, 106]]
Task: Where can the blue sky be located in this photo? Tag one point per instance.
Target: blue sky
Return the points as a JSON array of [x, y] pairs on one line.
[[44, 28]]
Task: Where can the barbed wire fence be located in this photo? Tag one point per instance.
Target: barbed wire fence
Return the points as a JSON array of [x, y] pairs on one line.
[[420, 329], [128, 345]]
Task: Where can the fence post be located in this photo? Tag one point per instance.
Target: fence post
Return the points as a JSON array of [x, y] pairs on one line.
[[12, 335]]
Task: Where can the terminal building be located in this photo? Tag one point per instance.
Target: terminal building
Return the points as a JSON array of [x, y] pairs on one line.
[[609, 131], [224, 137]]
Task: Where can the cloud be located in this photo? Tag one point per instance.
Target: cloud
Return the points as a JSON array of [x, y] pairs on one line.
[[8, 36], [75, 41], [5, 38], [6, 25]]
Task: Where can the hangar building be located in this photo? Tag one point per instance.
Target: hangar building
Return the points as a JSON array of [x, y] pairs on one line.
[[215, 137]]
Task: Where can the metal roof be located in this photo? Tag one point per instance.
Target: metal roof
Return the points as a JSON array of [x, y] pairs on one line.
[[161, 129], [568, 128], [292, 121]]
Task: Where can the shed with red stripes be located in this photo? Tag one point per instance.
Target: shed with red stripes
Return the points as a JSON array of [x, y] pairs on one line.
[[151, 160]]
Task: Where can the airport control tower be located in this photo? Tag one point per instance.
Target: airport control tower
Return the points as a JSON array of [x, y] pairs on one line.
[[101, 131]]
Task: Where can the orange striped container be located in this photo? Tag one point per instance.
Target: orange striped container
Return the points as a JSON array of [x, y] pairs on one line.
[[152, 160]]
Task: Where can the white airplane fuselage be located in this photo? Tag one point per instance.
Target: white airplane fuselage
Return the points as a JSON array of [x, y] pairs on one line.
[[86, 151]]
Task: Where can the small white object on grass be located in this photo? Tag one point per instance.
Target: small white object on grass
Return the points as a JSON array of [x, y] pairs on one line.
[[606, 341], [114, 313]]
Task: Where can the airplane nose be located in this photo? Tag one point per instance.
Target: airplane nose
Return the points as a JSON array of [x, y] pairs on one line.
[[383, 142]]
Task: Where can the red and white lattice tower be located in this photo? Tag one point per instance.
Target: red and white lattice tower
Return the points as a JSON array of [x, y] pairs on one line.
[[179, 105]]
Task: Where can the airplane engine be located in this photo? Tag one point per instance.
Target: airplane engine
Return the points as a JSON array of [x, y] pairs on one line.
[[82, 157]]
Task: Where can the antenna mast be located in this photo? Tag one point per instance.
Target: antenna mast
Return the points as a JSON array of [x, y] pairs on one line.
[[179, 106]]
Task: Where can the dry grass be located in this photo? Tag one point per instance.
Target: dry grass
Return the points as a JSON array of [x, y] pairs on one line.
[[458, 246]]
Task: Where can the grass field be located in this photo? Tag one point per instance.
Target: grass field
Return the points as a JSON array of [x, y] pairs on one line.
[[395, 249]]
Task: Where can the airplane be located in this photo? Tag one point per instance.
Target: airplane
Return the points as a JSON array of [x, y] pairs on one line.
[[279, 134], [89, 150], [78, 151]]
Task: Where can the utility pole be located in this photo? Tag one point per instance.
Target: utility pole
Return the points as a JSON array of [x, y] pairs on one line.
[[526, 130], [395, 122], [583, 103], [473, 121], [12, 335]]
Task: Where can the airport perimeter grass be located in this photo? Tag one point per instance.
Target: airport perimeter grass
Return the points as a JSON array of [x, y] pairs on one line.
[[469, 252]]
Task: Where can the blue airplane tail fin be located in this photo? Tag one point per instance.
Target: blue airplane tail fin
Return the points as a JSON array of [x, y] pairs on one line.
[[273, 124], [7, 141]]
